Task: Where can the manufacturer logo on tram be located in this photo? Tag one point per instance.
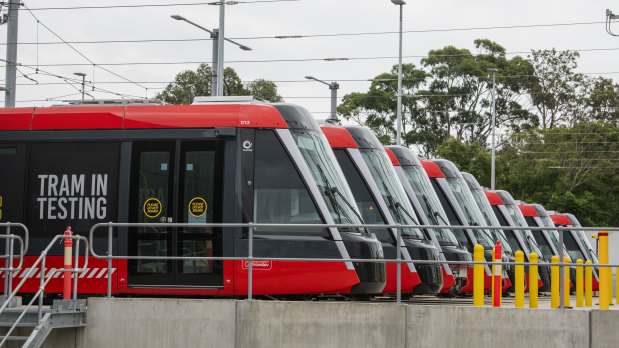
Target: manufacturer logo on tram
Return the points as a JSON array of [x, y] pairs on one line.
[[264, 265]]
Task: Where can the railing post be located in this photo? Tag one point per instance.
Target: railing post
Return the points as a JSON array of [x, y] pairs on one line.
[[561, 272], [610, 283], [399, 264], [603, 246], [68, 245], [7, 290], [566, 283], [579, 283], [478, 276], [519, 280], [77, 248], [250, 255], [554, 283], [589, 284], [109, 259], [40, 312], [10, 272], [533, 275]]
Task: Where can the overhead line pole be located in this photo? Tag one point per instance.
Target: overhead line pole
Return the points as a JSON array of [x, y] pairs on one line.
[[11, 54], [400, 3], [220, 50]]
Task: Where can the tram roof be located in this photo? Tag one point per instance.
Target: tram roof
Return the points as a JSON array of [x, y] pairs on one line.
[[156, 116], [493, 198], [404, 155], [527, 210]]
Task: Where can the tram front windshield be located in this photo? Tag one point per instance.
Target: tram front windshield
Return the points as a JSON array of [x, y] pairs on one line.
[[471, 212], [430, 204], [490, 218], [392, 191], [588, 248], [554, 236], [328, 176], [527, 235]]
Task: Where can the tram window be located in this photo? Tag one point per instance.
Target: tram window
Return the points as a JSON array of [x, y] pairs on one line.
[[280, 196], [71, 184], [451, 216], [572, 246], [510, 234], [366, 203]]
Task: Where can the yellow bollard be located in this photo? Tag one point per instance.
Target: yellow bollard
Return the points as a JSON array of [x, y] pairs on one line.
[[533, 281], [579, 284], [603, 252], [617, 286], [555, 300], [519, 286], [566, 284], [478, 276], [589, 285]]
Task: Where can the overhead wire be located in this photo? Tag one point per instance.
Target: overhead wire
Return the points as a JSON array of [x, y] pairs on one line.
[[292, 60], [75, 49], [153, 5], [294, 36]]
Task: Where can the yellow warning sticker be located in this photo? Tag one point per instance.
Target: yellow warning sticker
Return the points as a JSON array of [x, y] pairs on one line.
[[152, 208], [197, 207]]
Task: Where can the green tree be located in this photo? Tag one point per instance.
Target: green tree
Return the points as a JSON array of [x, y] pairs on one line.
[[459, 94], [468, 157], [376, 108], [188, 84], [570, 169], [555, 95], [264, 90]]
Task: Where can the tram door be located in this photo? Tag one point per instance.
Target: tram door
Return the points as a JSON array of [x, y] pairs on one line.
[[176, 181]]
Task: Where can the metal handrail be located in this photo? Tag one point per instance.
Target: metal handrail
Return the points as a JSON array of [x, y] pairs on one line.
[[44, 278], [8, 256], [250, 258]]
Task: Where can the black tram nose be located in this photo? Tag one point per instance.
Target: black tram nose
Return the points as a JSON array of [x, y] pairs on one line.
[[372, 275], [431, 275]]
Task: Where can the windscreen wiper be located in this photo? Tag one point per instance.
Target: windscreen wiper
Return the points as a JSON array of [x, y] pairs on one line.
[[354, 210], [329, 193], [435, 214]]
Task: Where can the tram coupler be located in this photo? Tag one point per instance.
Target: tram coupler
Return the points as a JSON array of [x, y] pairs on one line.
[[68, 264]]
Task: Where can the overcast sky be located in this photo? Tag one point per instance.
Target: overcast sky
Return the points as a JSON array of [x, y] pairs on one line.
[[248, 21]]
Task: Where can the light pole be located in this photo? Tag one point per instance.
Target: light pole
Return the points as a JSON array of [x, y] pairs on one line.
[[333, 86], [217, 76], [83, 83], [399, 112], [492, 170]]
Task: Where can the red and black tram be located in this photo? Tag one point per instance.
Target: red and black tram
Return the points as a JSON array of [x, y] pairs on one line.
[[429, 211], [382, 200], [237, 161]]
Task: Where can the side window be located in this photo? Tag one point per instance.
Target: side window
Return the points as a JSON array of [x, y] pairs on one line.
[[71, 184], [280, 196]]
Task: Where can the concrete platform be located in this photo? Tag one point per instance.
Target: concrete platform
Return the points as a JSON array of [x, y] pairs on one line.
[[237, 323]]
